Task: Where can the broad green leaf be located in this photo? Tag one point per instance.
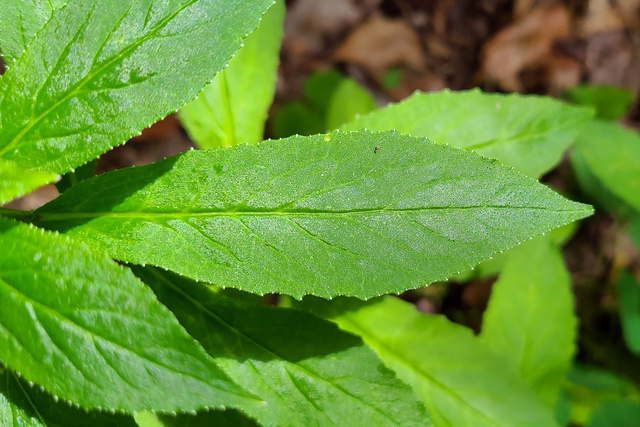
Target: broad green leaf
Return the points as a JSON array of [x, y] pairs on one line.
[[612, 154], [16, 181], [22, 405], [233, 108], [610, 102], [296, 118], [228, 418], [91, 333], [70, 179], [618, 413], [529, 133], [327, 215], [101, 71], [529, 321], [306, 370], [19, 22], [348, 101], [629, 309], [460, 380], [319, 88]]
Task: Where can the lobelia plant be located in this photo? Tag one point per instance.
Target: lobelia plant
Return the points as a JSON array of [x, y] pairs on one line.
[[155, 340]]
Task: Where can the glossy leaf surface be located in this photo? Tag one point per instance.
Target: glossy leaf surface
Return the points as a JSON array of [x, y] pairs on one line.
[[326, 215], [22, 405], [87, 330], [529, 321], [233, 108], [306, 370], [16, 181], [101, 71], [613, 154], [460, 380], [529, 133]]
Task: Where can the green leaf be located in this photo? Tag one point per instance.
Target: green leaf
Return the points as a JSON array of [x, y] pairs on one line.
[[70, 179], [327, 215], [16, 181], [529, 321], [295, 118], [319, 88], [618, 413], [306, 370], [91, 333], [459, 379], [22, 405], [233, 108], [100, 71], [610, 102], [229, 417], [612, 154], [529, 133], [629, 305], [348, 101], [19, 21]]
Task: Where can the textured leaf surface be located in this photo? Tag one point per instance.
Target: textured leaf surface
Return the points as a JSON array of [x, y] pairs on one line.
[[460, 380], [306, 370], [19, 21], [613, 155], [233, 108], [529, 133], [101, 71], [629, 309], [529, 321], [324, 215], [16, 181], [85, 328], [228, 418], [25, 406]]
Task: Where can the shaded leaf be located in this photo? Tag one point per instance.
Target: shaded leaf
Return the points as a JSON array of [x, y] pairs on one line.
[[618, 413], [306, 370], [233, 108], [85, 328], [529, 133], [16, 181], [612, 154], [529, 321], [629, 309], [460, 380], [27, 406], [327, 215], [100, 71], [610, 102]]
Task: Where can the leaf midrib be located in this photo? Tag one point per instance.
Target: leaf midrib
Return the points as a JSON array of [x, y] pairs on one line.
[[58, 216]]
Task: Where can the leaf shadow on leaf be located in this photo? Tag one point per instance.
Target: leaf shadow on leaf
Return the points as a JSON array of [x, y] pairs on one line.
[[33, 403], [259, 332], [103, 200]]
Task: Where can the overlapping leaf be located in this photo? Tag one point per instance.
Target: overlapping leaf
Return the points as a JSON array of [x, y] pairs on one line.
[[529, 133], [88, 331], [529, 321], [16, 181], [459, 379], [101, 71], [233, 108], [22, 405], [327, 215], [612, 155], [306, 370]]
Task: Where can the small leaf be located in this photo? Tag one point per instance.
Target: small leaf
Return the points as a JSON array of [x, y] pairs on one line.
[[16, 181], [529, 133], [233, 108], [610, 102], [459, 379], [28, 406], [618, 413], [629, 306], [327, 215], [348, 101], [101, 71], [88, 331], [612, 154], [306, 370], [529, 321]]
